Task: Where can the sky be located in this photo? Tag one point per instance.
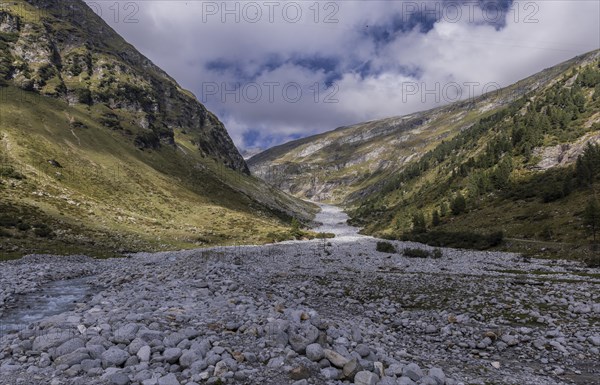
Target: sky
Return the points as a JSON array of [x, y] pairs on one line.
[[276, 71]]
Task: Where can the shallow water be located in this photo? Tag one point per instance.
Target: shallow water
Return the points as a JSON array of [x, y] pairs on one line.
[[52, 299], [334, 220]]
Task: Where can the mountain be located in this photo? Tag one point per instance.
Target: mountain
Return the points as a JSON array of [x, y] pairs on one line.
[[505, 153], [101, 149]]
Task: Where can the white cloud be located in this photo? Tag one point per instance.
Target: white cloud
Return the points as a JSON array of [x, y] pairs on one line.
[[183, 37]]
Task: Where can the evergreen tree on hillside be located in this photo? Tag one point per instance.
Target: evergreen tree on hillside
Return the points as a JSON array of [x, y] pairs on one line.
[[419, 223], [435, 218], [591, 217], [588, 165], [459, 205]]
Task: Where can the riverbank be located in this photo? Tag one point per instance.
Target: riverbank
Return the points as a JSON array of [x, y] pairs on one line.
[[312, 312]]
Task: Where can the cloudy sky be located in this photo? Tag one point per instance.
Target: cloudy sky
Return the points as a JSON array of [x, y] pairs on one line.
[[274, 71]]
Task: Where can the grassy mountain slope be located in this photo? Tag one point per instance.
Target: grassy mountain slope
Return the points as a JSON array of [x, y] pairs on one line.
[[116, 157], [336, 165], [510, 154]]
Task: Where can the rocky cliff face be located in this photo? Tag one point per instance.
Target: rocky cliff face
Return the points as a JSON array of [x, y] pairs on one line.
[[65, 51]]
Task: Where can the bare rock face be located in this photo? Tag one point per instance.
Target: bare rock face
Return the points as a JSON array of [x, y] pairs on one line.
[[563, 154], [70, 53]]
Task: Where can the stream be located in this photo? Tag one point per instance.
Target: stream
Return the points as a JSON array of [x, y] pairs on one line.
[[61, 296], [52, 299], [334, 220]]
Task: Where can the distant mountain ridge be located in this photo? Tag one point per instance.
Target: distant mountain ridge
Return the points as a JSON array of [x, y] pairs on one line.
[[511, 155], [336, 165]]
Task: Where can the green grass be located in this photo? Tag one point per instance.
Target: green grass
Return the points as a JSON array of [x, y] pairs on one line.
[[123, 185], [109, 197], [534, 218]]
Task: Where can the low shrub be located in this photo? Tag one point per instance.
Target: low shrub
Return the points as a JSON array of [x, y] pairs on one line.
[[274, 237], [385, 247], [8, 221], [437, 254], [593, 262], [42, 230], [416, 253], [325, 235], [460, 240], [23, 226], [10, 172]]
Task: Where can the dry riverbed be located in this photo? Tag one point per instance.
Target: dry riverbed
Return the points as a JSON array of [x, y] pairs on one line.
[[315, 312]]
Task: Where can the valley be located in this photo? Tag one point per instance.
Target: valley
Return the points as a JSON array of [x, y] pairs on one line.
[[306, 312], [146, 239], [507, 164]]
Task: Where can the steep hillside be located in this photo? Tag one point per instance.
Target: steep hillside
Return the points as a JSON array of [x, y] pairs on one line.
[[336, 165], [100, 150], [507, 153]]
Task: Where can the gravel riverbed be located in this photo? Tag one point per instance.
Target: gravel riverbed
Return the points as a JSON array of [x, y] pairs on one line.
[[314, 312]]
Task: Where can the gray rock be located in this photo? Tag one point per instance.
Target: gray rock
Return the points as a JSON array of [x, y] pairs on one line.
[[132, 361], [366, 378], [413, 371], [114, 357], [302, 336], [351, 368], [119, 379], [144, 353], [198, 366], [363, 350], [135, 346], [428, 380], [484, 343], [143, 375], [335, 358], [86, 365], [72, 358], [331, 373], [171, 355], [126, 334], [50, 340], [356, 335], [69, 347], [300, 373], [221, 368], [95, 351], [556, 345], [395, 370], [276, 333], [201, 347], [405, 381], [188, 357], [314, 352], [387, 381], [172, 340], [438, 375], [169, 379]]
